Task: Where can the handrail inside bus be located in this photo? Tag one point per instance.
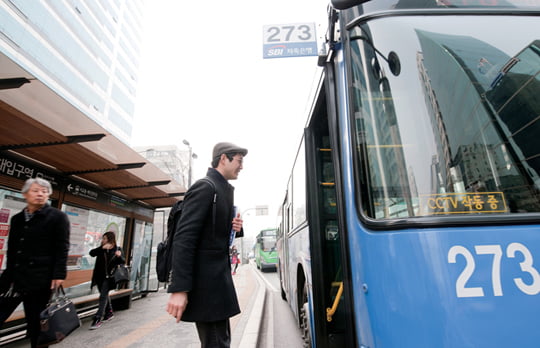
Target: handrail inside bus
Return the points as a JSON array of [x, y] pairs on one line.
[[331, 311]]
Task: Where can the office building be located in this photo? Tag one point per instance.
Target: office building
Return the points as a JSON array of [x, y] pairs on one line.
[[86, 51], [170, 159]]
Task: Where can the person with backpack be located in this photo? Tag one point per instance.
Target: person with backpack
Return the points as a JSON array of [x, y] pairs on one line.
[[201, 285], [164, 248]]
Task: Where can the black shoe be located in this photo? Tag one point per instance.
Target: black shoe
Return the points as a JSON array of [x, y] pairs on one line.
[[108, 316], [96, 324]]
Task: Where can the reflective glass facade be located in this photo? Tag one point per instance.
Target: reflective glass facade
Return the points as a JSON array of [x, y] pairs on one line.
[[86, 51]]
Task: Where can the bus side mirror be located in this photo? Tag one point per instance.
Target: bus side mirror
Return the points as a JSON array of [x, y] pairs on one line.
[[345, 4]]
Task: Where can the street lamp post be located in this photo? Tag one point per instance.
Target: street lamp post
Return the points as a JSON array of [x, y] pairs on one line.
[[190, 163]]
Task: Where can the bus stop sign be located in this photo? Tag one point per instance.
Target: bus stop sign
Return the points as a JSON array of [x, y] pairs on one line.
[[289, 40]]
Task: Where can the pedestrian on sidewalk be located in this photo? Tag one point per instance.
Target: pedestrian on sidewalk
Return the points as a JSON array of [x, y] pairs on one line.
[[37, 253], [108, 256], [202, 289], [235, 259]]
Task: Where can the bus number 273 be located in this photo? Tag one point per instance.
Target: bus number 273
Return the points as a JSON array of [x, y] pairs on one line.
[[528, 287]]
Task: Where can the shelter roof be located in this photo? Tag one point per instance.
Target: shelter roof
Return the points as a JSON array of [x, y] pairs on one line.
[[40, 125]]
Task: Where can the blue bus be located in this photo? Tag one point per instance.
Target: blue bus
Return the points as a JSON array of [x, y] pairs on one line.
[[412, 214]]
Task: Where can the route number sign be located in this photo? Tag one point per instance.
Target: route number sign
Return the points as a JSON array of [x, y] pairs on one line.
[[289, 40]]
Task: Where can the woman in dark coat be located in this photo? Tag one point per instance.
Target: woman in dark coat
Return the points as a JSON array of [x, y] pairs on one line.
[[108, 256]]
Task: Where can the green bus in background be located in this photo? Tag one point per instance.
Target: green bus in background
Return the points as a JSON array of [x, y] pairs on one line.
[[266, 256]]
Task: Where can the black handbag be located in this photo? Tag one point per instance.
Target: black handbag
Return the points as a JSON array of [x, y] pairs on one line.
[[58, 320], [121, 274]]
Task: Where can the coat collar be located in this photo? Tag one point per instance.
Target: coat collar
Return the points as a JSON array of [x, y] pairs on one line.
[[40, 211], [216, 176], [219, 179]]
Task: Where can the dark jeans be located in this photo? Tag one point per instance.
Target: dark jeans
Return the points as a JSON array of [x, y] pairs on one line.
[[216, 334], [104, 299], [34, 303]]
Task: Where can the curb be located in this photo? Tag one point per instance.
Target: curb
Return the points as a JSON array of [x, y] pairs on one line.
[[250, 335]]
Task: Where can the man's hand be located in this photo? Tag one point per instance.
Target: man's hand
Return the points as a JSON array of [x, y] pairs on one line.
[[177, 304], [237, 223], [55, 284]]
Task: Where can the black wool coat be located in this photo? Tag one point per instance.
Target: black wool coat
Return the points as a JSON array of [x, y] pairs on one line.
[[200, 260], [106, 262], [38, 249]]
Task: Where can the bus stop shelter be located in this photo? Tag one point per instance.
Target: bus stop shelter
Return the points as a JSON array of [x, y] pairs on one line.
[[97, 179]]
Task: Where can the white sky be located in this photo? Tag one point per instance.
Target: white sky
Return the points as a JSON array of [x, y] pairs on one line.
[[203, 79]]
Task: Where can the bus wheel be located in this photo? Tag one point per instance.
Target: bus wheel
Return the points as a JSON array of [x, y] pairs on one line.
[[304, 319]]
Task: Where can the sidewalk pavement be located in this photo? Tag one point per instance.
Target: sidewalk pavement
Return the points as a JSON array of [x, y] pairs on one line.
[[147, 324]]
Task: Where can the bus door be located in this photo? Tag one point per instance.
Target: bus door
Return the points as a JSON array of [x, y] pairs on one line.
[[285, 228], [331, 320]]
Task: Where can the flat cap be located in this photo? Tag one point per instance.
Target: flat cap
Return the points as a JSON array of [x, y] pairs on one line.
[[221, 148]]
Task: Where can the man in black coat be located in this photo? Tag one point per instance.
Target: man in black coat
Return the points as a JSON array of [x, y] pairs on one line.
[[37, 254], [202, 289]]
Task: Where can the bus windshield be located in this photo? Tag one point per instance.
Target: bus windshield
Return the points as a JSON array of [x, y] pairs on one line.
[[268, 243], [374, 6], [456, 129], [267, 240]]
